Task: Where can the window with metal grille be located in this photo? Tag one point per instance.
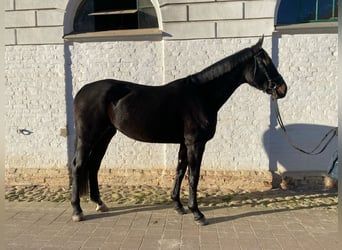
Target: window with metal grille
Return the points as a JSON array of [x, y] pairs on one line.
[[306, 11], [104, 15]]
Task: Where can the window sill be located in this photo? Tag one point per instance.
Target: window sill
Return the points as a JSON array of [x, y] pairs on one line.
[[153, 34], [308, 28]]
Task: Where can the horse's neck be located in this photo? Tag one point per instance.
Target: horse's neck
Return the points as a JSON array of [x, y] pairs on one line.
[[217, 90], [220, 89], [224, 66], [220, 80]]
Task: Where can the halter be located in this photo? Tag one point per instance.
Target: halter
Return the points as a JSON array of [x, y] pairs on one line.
[[272, 83]]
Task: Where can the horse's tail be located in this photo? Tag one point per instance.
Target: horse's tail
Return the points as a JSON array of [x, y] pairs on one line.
[[83, 180], [82, 177]]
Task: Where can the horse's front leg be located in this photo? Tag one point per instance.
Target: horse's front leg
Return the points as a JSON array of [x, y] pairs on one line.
[[195, 153], [180, 172]]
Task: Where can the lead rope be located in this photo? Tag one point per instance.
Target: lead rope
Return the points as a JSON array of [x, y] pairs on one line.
[[332, 132]]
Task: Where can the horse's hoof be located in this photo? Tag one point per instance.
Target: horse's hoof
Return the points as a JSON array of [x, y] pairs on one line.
[[180, 210], [202, 221], [77, 217], [101, 208]]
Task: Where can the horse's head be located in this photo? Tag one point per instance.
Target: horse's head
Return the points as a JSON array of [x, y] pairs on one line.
[[264, 75]]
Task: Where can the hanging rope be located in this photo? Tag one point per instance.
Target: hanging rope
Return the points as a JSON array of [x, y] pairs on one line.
[[326, 138]]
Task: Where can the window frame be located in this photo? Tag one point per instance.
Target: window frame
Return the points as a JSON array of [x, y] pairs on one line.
[[313, 26], [152, 34], [139, 34]]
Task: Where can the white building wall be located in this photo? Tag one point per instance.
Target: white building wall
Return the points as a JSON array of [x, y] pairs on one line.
[[237, 144], [308, 63], [127, 61], [139, 62], [40, 81], [30, 22], [35, 95]]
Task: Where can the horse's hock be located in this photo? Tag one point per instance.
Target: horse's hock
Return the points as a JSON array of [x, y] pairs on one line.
[[245, 180]]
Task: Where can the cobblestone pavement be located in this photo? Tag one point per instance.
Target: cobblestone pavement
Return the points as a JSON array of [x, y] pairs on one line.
[[149, 195], [142, 217]]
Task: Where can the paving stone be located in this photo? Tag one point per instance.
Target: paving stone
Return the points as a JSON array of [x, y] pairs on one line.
[[48, 225]]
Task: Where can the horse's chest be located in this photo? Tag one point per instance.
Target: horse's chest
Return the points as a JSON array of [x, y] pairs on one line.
[[200, 126]]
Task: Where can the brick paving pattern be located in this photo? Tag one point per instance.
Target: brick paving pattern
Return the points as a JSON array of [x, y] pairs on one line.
[[48, 225]]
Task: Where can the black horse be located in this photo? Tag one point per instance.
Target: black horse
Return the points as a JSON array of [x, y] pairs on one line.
[[183, 112]]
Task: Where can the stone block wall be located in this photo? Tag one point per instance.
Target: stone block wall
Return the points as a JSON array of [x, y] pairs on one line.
[[34, 22], [217, 19]]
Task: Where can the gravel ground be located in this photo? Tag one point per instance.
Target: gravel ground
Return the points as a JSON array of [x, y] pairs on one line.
[[148, 195]]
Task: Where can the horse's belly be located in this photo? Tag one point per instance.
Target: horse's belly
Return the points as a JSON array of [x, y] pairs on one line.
[[154, 134], [152, 138], [147, 125]]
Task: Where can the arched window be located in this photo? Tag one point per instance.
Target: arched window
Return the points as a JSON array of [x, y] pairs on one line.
[[305, 11], [110, 18]]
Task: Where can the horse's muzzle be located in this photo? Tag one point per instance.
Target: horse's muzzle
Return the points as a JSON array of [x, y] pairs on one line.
[[280, 91]]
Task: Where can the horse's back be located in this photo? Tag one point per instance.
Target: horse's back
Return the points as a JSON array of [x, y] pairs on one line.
[[111, 90], [92, 100], [98, 89]]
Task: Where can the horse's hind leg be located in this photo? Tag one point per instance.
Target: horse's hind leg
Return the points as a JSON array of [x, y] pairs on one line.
[[94, 166], [180, 172], [89, 152], [79, 179]]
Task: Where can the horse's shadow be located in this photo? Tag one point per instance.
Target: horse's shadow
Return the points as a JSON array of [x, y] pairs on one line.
[[304, 136], [217, 220], [123, 210]]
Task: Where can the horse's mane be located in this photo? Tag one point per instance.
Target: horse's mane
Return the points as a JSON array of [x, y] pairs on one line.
[[223, 66]]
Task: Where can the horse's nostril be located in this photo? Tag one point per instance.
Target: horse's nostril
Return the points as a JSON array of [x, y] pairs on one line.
[[282, 89]]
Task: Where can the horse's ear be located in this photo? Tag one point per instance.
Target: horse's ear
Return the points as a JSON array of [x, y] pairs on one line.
[[258, 45]]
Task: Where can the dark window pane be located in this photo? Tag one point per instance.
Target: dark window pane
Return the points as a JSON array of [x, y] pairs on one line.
[[325, 9], [102, 15], [105, 5], [301, 11], [116, 22], [307, 11], [288, 12], [83, 22]]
